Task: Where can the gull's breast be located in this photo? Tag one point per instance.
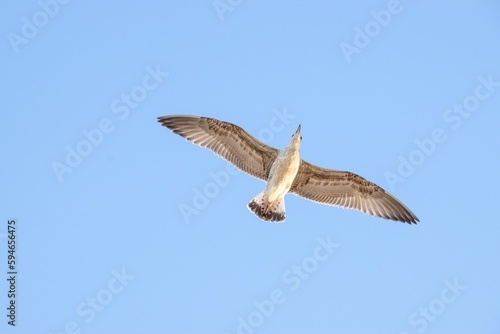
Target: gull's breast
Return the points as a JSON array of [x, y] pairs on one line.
[[282, 174]]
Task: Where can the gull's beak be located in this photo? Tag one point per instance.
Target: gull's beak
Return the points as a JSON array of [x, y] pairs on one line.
[[298, 130]]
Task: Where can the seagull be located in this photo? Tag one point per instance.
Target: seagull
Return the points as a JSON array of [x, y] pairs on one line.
[[285, 172]]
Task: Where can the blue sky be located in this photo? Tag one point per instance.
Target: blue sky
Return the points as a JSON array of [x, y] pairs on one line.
[[122, 226]]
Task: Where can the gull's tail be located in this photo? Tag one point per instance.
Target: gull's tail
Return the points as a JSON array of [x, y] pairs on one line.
[[268, 211]]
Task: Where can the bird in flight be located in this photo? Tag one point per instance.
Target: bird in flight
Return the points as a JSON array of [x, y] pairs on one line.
[[285, 172]]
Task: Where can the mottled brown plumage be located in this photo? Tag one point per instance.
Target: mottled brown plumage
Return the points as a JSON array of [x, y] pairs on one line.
[[227, 140]]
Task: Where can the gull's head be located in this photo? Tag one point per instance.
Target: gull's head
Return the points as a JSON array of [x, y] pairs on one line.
[[296, 139]]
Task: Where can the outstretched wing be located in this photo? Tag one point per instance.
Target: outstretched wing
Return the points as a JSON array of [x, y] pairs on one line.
[[348, 190], [227, 140]]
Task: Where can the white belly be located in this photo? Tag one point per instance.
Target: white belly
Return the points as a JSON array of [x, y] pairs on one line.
[[281, 176]]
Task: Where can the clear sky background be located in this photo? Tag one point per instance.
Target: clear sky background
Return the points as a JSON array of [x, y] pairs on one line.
[[122, 226]]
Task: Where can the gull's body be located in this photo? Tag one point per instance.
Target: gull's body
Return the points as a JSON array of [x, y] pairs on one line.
[[284, 171], [270, 203]]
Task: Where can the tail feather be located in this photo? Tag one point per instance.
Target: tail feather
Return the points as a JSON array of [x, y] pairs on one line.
[[268, 211]]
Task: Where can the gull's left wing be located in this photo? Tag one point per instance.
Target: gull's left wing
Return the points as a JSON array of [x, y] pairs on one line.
[[227, 140]]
